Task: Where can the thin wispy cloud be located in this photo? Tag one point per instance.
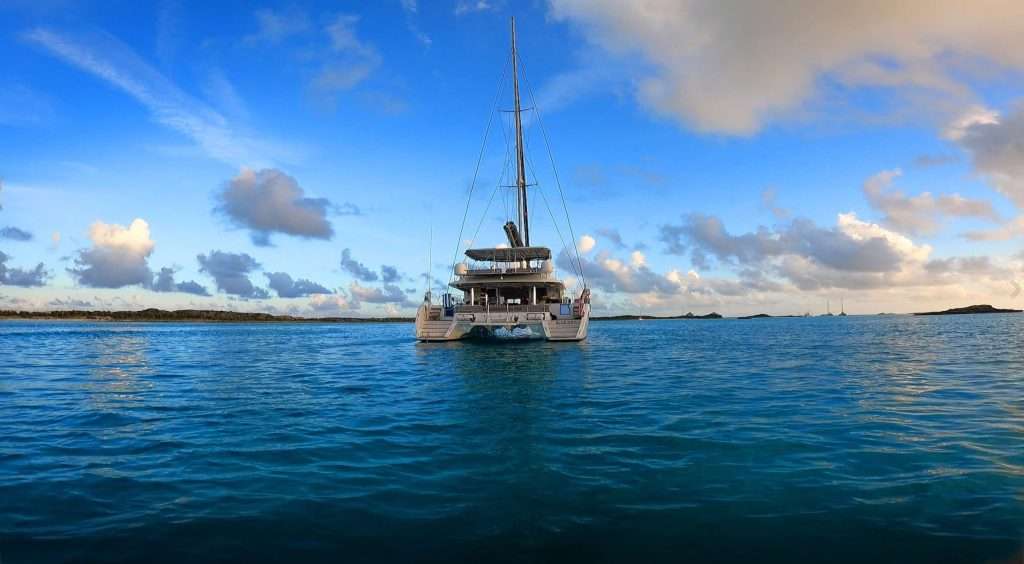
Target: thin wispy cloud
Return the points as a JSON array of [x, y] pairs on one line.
[[108, 59], [411, 9], [464, 7]]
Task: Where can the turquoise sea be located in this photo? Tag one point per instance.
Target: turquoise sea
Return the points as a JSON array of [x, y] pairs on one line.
[[859, 439]]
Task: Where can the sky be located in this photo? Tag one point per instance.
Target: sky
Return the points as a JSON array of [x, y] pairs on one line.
[[317, 158]]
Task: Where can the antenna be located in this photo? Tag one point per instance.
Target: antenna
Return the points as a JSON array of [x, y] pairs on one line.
[[524, 218], [430, 261]]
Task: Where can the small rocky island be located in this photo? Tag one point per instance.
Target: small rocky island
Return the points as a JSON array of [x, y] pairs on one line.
[[971, 309], [689, 315]]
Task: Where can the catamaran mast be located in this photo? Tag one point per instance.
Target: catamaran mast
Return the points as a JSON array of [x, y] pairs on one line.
[[524, 218]]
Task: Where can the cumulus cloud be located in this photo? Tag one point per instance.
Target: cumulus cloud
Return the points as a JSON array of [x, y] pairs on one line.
[[118, 256], [587, 243], [386, 294], [356, 268], [775, 269], [637, 259], [230, 272], [15, 234], [286, 287], [853, 254], [328, 304], [20, 277], [269, 201], [164, 282], [389, 274], [731, 66], [921, 213], [634, 277], [994, 144]]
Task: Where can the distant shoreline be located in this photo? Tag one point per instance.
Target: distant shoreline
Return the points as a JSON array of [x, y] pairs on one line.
[[218, 316], [187, 315]]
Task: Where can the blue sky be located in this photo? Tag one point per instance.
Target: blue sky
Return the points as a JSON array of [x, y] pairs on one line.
[[715, 155]]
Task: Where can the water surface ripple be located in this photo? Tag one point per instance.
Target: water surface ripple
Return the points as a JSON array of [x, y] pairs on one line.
[[890, 439]]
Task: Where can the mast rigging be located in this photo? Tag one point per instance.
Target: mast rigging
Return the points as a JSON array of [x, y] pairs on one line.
[[524, 217]]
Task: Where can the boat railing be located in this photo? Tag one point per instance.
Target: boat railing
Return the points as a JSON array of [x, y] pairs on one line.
[[511, 308], [497, 271]]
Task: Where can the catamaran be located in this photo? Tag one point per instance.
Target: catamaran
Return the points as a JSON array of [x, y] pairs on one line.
[[510, 290]]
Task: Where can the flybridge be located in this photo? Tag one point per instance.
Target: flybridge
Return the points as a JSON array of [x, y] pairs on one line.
[[510, 254]]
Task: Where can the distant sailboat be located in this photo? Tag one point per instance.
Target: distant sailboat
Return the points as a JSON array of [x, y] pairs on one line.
[[828, 309], [842, 308]]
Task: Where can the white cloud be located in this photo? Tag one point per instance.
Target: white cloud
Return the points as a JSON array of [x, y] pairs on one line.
[[975, 115], [269, 201], [1009, 230], [587, 243], [865, 232], [10, 276], [922, 213], [230, 272], [997, 154], [464, 7], [731, 66], [331, 304], [385, 294], [637, 259], [118, 256]]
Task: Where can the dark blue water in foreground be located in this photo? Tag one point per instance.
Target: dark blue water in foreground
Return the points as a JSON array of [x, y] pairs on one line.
[[882, 439]]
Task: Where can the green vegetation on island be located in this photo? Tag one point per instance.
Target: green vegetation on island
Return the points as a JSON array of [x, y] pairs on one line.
[[204, 315]]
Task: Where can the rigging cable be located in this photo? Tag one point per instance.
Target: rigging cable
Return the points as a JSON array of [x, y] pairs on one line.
[[576, 270], [476, 171], [504, 172], [551, 156]]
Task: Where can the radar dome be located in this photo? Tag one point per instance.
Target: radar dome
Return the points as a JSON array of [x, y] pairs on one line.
[[461, 269], [547, 267]]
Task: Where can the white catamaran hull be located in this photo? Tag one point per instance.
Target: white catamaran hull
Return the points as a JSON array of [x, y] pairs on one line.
[[432, 325]]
